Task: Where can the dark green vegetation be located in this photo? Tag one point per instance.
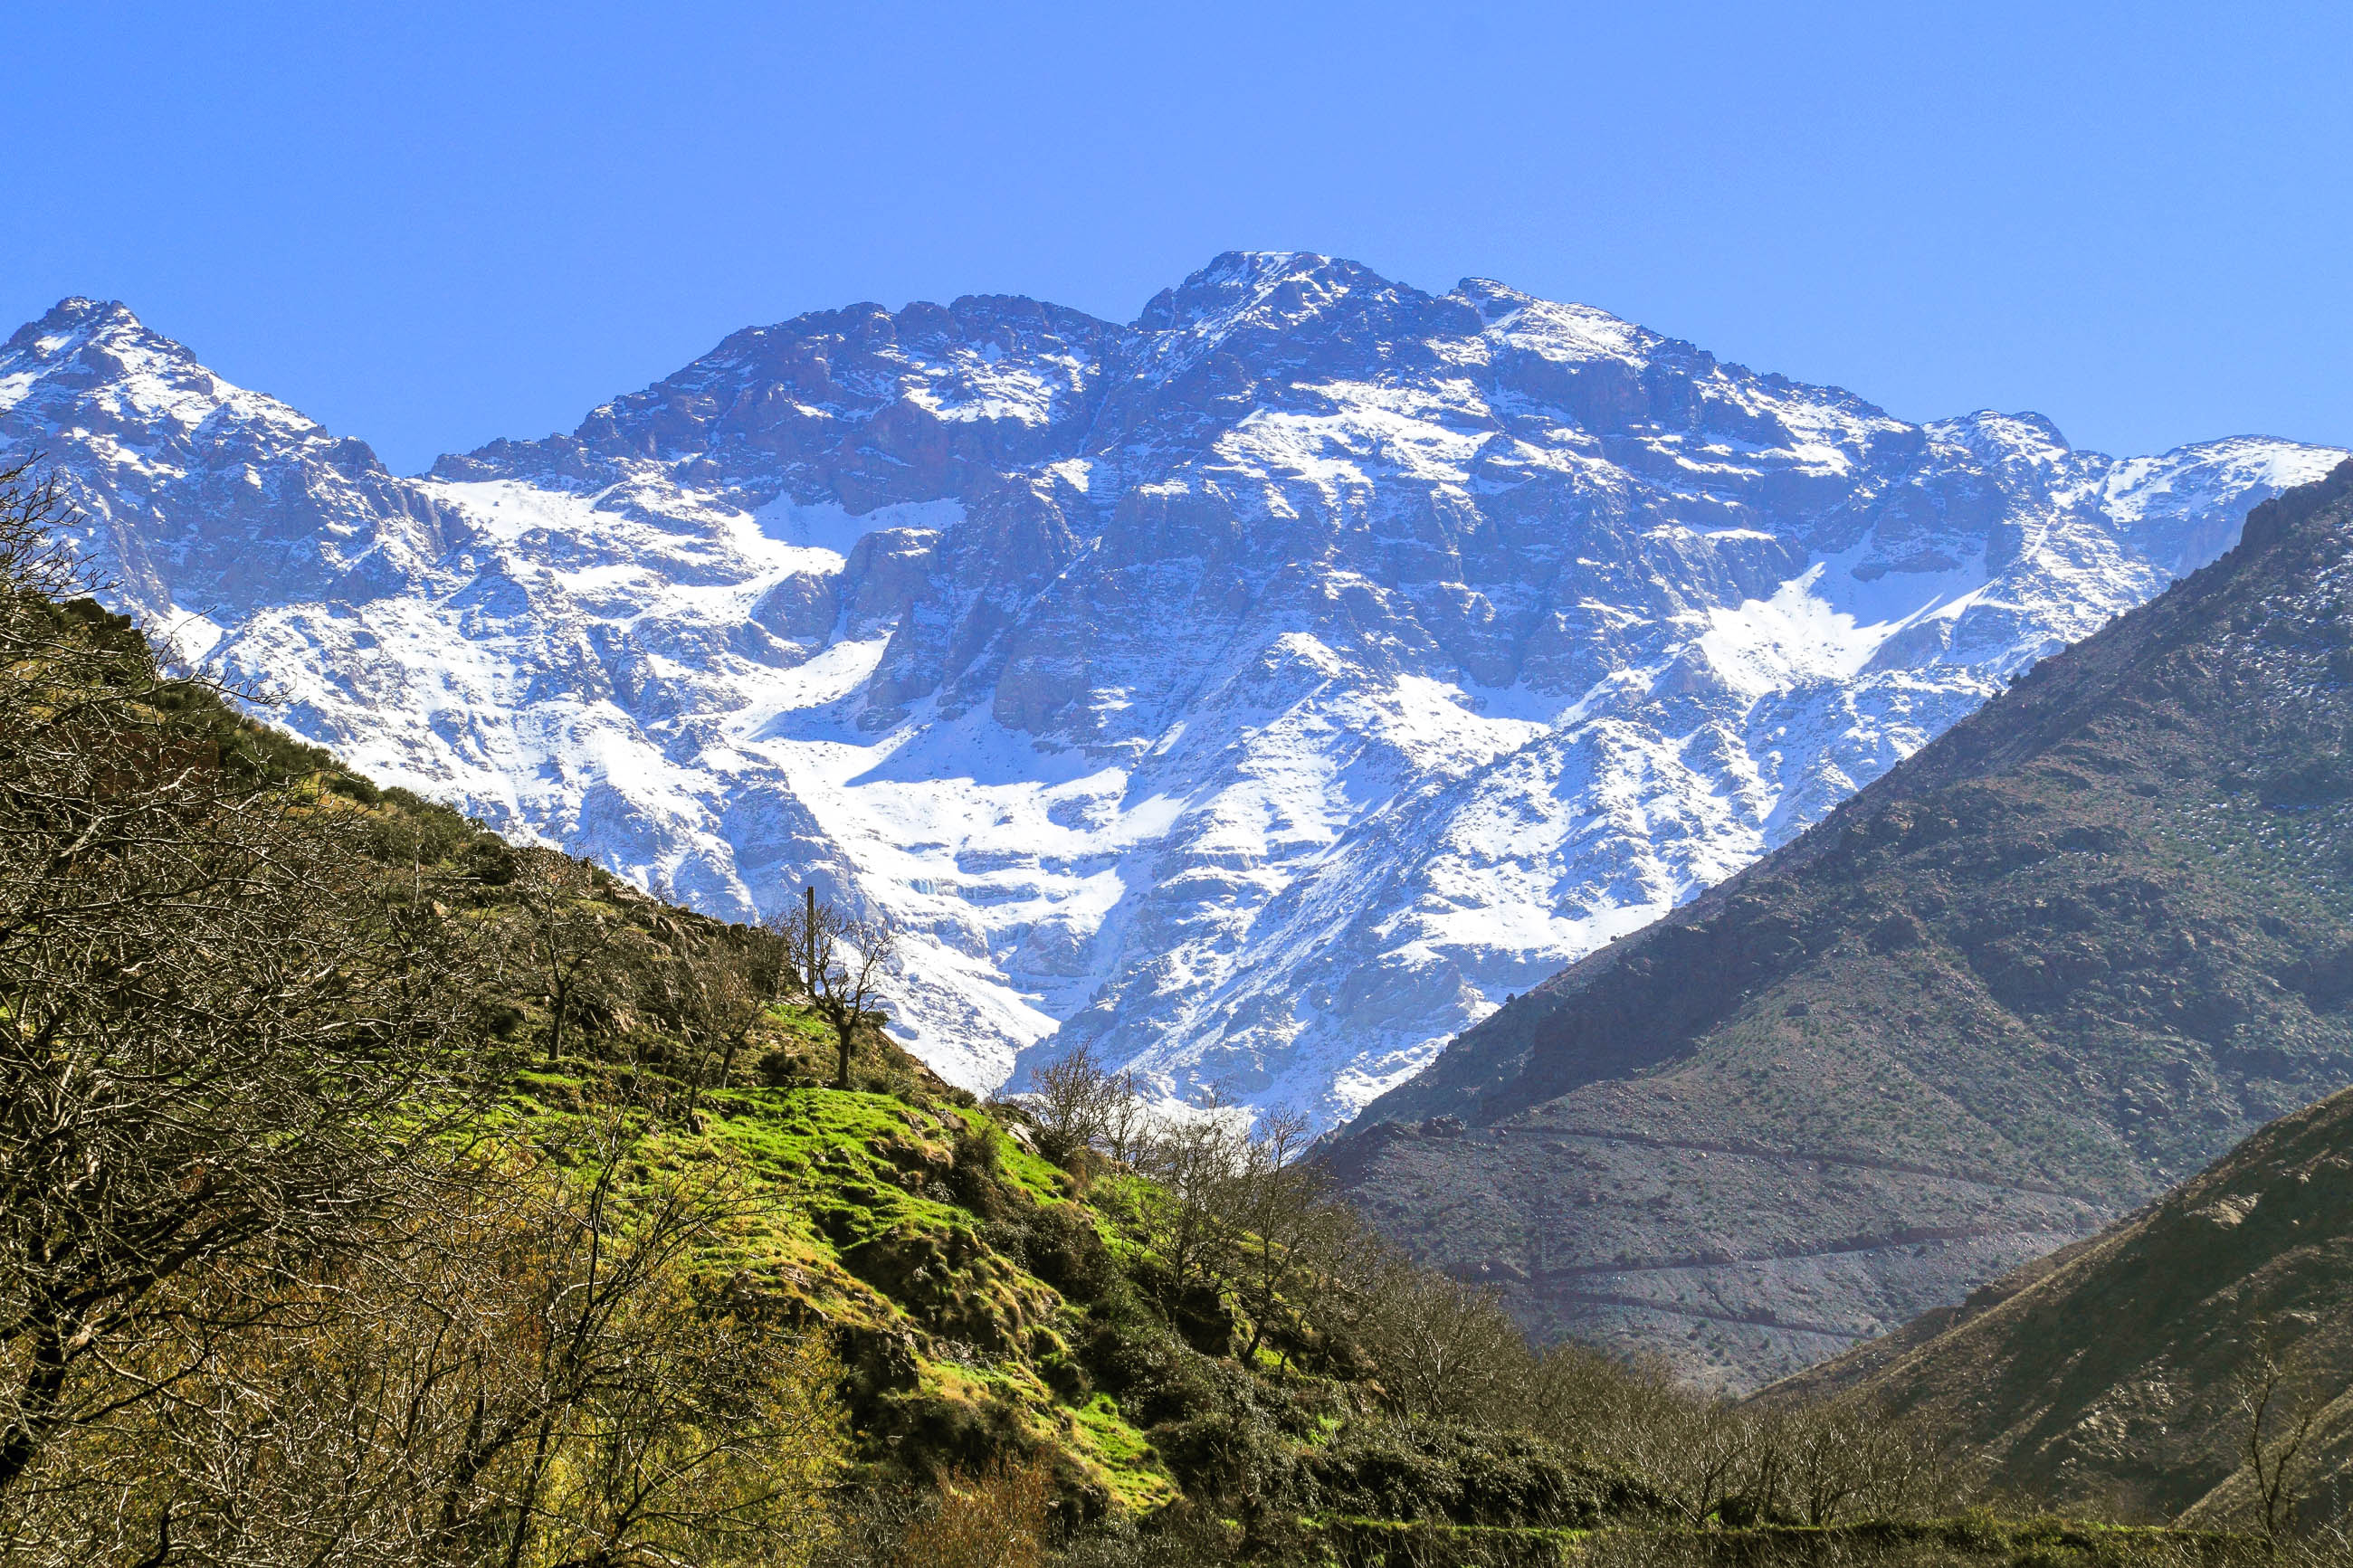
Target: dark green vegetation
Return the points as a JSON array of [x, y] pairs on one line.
[[2053, 964], [2123, 1371]]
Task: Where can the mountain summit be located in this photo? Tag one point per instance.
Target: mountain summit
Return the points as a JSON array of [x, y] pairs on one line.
[[1261, 691]]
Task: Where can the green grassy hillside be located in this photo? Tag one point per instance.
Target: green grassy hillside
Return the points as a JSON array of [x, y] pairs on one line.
[[987, 1307]]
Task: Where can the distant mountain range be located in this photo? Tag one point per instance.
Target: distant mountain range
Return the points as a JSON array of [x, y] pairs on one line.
[[1261, 691], [2044, 969]]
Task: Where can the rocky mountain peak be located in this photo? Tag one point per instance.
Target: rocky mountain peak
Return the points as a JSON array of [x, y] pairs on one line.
[[199, 497], [1261, 691], [77, 314], [1278, 286], [100, 359]]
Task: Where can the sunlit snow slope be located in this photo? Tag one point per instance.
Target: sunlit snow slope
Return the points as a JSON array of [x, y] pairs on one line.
[[1261, 691]]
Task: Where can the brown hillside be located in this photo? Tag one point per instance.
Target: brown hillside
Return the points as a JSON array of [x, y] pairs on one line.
[[2050, 966], [2112, 1374]]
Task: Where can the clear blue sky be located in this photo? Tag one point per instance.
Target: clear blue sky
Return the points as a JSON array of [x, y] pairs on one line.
[[429, 224]]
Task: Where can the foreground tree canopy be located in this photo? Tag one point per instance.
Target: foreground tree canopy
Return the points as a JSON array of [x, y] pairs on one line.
[[275, 1285]]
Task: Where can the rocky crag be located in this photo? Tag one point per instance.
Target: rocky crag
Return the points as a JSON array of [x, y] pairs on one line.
[[1261, 691], [2046, 968]]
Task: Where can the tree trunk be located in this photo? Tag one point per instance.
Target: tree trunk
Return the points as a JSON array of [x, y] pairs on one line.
[[808, 942], [36, 1403], [557, 1004]]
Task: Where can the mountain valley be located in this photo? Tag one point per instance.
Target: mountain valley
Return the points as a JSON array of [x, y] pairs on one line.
[[2237, 1276]]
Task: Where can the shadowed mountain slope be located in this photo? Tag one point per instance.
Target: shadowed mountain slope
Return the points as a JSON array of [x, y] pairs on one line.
[[2054, 962], [2112, 1373]]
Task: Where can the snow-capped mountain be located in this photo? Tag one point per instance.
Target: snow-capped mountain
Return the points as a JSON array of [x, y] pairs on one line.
[[1261, 691]]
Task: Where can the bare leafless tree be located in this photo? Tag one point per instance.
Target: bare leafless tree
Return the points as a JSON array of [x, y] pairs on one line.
[[1443, 1348], [1074, 1104], [1187, 1212], [2279, 1415], [843, 964], [223, 1035], [1128, 1122], [715, 987], [1280, 1205], [563, 937], [526, 1369]]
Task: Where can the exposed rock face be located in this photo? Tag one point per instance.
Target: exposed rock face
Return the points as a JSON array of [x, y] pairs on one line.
[[2043, 970], [1263, 689]]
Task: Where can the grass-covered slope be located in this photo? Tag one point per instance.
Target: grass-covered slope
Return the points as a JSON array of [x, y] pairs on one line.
[[2120, 1372], [988, 1308], [2052, 964]]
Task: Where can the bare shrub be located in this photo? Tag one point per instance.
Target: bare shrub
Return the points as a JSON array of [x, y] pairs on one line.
[[1074, 1104], [997, 1519], [1443, 1348], [223, 1037], [563, 937], [2279, 1411], [524, 1370], [842, 963]]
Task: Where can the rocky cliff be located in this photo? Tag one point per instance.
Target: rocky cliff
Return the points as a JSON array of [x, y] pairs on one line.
[[1261, 689]]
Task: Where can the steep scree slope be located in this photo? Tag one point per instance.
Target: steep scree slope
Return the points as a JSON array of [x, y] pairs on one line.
[[2112, 1373], [1261, 689], [2049, 965]]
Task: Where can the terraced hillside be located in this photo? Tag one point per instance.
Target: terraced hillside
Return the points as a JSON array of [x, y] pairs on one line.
[[2053, 965]]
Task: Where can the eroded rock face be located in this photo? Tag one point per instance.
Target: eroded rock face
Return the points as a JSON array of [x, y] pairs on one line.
[[1261, 691]]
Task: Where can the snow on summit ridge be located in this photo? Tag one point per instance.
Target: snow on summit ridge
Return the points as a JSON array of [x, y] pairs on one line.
[[1260, 691]]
